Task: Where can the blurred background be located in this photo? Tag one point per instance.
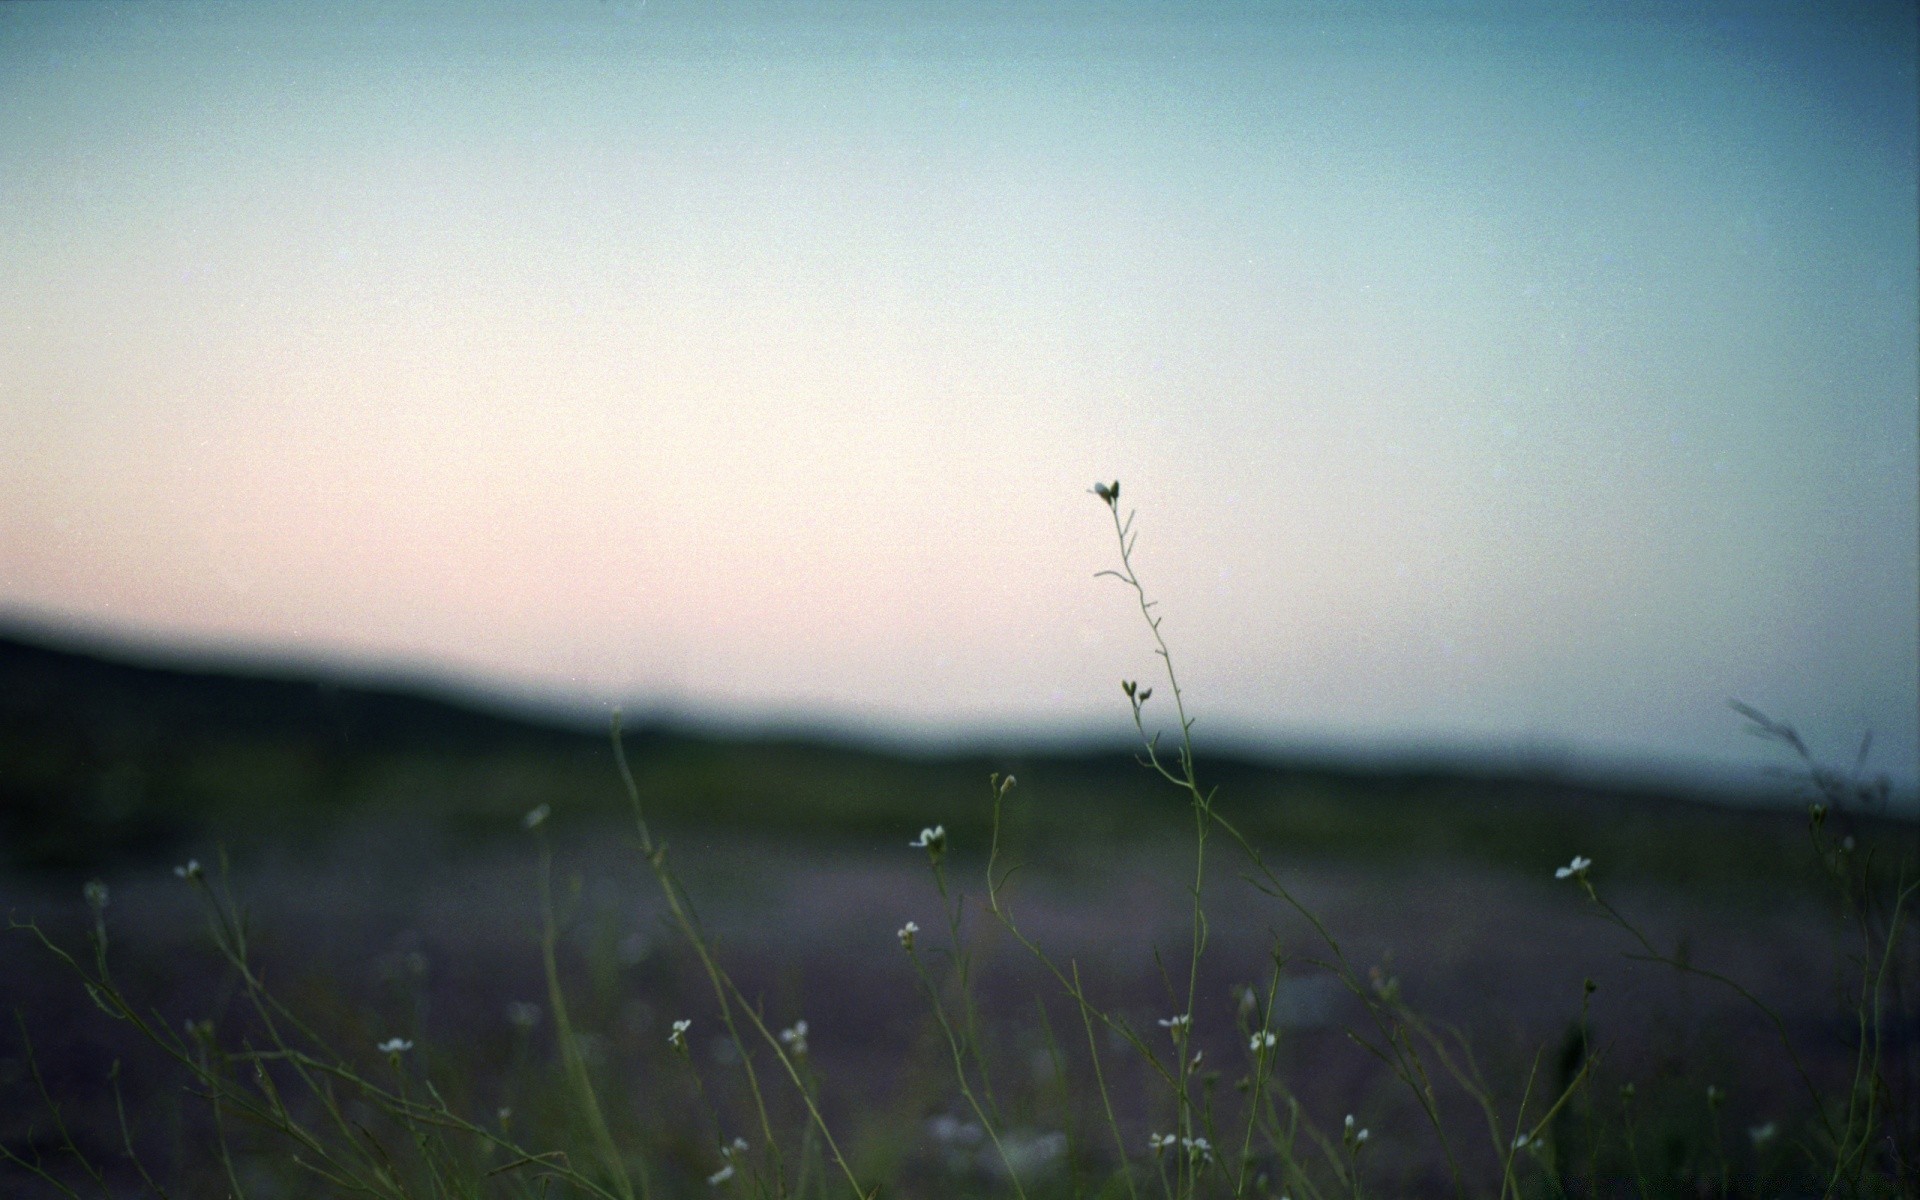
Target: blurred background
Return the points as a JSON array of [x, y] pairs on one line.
[[1495, 380], [389, 392]]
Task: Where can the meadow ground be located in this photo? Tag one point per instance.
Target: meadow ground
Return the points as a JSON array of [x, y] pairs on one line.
[[1396, 985], [401, 932]]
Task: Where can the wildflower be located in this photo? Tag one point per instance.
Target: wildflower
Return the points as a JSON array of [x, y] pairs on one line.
[[1177, 1026], [1109, 492], [678, 1038], [952, 1131], [932, 839], [523, 1015], [96, 894], [394, 1047], [1263, 1041], [1762, 1134], [1354, 1138], [190, 870], [537, 817], [1577, 869], [1198, 1149], [727, 1151], [906, 935], [1160, 1143], [1026, 1152], [795, 1036], [1527, 1142]]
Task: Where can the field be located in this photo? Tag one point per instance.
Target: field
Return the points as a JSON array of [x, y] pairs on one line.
[[279, 938], [404, 933]]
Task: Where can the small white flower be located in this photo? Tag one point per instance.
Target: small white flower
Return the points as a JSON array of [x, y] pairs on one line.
[[721, 1176], [932, 839], [795, 1036], [1177, 1025], [1264, 1040], [1525, 1142], [736, 1146], [1762, 1134], [950, 1130], [1159, 1143], [394, 1046], [189, 870], [678, 1038], [537, 816], [1354, 1137], [1577, 867], [96, 894], [1198, 1149], [1025, 1152], [906, 934]]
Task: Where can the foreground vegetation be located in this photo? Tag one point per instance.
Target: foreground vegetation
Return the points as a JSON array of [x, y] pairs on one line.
[[1213, 1093]]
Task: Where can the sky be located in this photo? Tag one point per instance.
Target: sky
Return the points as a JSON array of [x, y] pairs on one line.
[[1506, 379]]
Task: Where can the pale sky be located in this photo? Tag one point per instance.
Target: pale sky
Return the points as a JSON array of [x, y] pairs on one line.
[[1507, 380]]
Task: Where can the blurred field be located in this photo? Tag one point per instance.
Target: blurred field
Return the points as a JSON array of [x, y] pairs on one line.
[[376, 842], [103, 761]]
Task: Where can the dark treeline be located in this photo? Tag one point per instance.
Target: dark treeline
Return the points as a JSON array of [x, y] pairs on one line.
[[104, 758]]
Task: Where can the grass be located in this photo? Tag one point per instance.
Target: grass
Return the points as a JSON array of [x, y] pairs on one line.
[[1031, 1072]]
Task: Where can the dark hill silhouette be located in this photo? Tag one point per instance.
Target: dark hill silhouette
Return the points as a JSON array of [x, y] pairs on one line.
[[103, 756], [108, 694]]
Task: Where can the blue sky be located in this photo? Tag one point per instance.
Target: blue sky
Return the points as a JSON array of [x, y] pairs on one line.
[[1489, 377]]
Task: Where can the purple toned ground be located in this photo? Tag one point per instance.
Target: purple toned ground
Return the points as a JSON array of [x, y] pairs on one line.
[[401, 934]]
